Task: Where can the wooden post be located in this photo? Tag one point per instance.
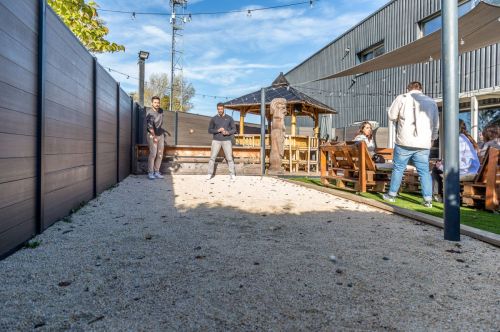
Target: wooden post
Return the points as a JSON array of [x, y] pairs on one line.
[[362, 166], [269, 120], [474, 115], [491, 198], [316, 125], [322, 164], [242, 122], [293, 128], [309, 155]]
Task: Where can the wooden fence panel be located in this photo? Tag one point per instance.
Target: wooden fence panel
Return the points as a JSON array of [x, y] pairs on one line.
[[106, 130], [18, 88], [68, 122], [125, 135]]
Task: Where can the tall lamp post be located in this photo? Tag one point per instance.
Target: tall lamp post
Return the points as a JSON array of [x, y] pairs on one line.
[[143, 56], [450, 120]]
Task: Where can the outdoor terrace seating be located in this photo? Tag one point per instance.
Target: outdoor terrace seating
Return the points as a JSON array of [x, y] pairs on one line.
[[484, 190]]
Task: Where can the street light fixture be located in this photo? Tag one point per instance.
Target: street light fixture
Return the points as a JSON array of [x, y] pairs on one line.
[[143, 55]]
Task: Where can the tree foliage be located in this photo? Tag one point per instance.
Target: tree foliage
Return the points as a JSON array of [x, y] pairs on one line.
[[83, 20], [159, 85]]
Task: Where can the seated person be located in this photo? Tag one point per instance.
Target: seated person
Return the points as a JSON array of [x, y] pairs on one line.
[[366, 134], [468, 162], [491, 137]]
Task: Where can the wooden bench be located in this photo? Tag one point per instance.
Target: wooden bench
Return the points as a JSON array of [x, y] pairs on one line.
[[484, 190], [190, 153], [194, 159], [351, 163]]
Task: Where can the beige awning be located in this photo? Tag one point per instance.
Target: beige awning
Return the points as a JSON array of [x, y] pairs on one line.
[[478, 28]]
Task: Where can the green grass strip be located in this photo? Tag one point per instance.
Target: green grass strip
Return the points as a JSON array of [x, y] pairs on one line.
[[480, 219]]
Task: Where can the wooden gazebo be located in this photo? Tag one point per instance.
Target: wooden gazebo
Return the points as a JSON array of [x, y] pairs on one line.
[[298, 104], [301, 152]]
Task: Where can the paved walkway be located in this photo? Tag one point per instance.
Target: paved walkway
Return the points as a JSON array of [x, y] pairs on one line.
[[257, 254]]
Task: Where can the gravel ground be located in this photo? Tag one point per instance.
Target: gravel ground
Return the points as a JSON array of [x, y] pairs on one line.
[[257, 254]]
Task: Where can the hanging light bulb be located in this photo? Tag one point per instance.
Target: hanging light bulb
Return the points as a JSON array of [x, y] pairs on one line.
[[249, 13], [311, 2], [133, 16]]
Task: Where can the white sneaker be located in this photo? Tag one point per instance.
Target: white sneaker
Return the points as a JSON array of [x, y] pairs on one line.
[[208, 177], [151, 176], [158, 175], [232, 177]]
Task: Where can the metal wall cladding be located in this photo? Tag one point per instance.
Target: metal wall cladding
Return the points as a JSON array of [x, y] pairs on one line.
[[367, 96]]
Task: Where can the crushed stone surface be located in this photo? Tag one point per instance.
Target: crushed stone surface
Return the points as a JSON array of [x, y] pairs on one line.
[[257, 254]]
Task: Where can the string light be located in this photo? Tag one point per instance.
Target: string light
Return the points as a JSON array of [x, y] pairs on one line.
[[190, 15]]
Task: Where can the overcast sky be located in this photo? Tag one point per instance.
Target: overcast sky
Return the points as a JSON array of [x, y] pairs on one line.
[[227, 55]]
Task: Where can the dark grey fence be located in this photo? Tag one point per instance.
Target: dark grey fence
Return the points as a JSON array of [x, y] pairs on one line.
[[65, 124]]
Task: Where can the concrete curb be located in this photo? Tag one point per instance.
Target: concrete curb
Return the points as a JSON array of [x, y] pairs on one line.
[[488, 237]]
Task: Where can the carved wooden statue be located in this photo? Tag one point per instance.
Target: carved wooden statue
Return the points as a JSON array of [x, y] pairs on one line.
[[278, 112]]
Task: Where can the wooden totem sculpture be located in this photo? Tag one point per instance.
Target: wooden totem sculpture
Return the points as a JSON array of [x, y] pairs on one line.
[[278, 112]]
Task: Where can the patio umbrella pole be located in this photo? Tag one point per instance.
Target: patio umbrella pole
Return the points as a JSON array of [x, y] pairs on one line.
[[263, 130], [450, 120]]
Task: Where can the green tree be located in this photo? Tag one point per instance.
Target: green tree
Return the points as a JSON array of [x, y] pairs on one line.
[[83, 20], [159, 85]]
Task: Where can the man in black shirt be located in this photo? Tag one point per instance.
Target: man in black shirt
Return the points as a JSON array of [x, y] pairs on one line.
[[156, 138], [222, 128]]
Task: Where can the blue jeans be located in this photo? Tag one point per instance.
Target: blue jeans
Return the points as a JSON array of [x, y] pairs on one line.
[[227, 146], [420, 159]]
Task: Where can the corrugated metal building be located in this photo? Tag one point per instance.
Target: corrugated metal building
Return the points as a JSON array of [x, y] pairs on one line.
[[367, 96]]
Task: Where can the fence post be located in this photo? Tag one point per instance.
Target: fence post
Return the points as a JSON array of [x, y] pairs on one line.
[[132, 136], [117, 132], [94, 127], [40, 142]]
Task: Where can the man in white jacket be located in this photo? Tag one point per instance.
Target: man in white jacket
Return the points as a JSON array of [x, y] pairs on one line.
[[417, 124]]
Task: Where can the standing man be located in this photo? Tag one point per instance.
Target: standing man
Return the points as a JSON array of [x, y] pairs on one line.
[[222, 128], [156, 138], [417, 125]]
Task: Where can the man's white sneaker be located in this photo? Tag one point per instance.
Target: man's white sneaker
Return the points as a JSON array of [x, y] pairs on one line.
[[208, 177], [388, 198], [151, 176], [158, 175]]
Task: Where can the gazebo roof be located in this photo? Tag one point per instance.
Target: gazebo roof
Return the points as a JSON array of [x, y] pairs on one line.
[[280, 89]]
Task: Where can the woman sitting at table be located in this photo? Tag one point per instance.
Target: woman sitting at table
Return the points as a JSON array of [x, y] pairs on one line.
[[366, 134], [468, 162]]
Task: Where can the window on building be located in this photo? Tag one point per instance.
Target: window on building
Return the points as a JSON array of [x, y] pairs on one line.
[[485, 117], [371, 52], [433, 23]]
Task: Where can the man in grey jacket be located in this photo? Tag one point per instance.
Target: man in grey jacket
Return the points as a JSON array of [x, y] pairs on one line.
[[417, 125], [155, 137], [222, 128]]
